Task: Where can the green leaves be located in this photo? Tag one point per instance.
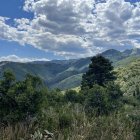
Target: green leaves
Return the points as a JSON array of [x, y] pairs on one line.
[[129, 78], [100, 72], [102, 96], [103, 100], [20, 100]]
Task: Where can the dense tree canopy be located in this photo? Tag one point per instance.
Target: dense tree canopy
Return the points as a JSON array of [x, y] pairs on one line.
[[20, 100], [103, 100], [100, 72]]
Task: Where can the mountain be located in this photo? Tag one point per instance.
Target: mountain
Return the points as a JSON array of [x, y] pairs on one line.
[[66, 74], [132, 52], [113, 55]]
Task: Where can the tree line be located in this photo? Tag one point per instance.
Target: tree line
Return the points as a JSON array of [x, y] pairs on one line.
[[29, 100]]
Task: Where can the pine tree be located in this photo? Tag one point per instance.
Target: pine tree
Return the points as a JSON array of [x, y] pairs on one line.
[[100, 72]]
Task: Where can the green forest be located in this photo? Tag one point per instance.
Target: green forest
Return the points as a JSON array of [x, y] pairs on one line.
[[106, 106]]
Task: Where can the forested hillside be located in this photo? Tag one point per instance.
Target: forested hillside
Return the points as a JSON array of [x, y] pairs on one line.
[[69, 69], [107, 107], [66, 74], [129, 78]]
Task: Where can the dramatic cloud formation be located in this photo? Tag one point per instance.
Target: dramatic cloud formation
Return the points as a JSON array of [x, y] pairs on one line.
[[14, 58], [76, 28]]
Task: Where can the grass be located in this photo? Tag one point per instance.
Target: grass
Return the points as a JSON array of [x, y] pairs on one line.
[[75, 125]]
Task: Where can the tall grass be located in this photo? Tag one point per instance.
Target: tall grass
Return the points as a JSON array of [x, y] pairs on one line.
[[17, 131], [71, 123]]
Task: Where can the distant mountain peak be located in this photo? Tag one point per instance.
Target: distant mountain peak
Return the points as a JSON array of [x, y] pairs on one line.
[[130, 52], [65, 74], [136, 51], [111, 52]]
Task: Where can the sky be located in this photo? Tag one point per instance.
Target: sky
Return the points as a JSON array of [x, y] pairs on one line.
[[42, 30]]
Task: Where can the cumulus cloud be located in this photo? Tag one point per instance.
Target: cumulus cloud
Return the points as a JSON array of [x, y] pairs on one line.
[[76, 28], [14, 58]]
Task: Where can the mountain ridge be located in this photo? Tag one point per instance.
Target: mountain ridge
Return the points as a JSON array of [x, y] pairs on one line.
[[65, 74]]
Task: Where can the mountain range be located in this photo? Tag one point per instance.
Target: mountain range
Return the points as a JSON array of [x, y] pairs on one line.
[[65, 74]]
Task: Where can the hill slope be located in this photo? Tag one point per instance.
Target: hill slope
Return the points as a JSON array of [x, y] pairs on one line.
[[129, 78], [66, 74]]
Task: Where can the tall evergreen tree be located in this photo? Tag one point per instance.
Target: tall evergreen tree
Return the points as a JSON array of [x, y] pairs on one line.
[[100, 72]]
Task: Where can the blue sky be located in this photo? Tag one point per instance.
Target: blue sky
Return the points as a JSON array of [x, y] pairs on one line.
[[14, 9], [54, 29]]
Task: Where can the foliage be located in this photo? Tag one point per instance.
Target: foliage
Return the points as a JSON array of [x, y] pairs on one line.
[[65, 74], [55, 98], [102, 96], [73, 96], [65, 120], [95, 112], [103, 100], [129, 79], [37, 135], [20, 100], [113, 127], [100, 72]]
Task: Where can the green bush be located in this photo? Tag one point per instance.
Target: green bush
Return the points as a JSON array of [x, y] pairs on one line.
[[55, 98], [73, 97], [20, 100], [103, 100]]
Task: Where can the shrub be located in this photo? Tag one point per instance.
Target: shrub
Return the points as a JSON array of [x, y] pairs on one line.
[[72, 96], [20, 100], [103, 100]]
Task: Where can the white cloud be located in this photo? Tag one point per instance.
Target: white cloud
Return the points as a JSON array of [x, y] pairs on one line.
[[14, 58], [76, 28]]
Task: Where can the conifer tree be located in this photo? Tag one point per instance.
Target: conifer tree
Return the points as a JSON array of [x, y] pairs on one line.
[[100, 72]]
